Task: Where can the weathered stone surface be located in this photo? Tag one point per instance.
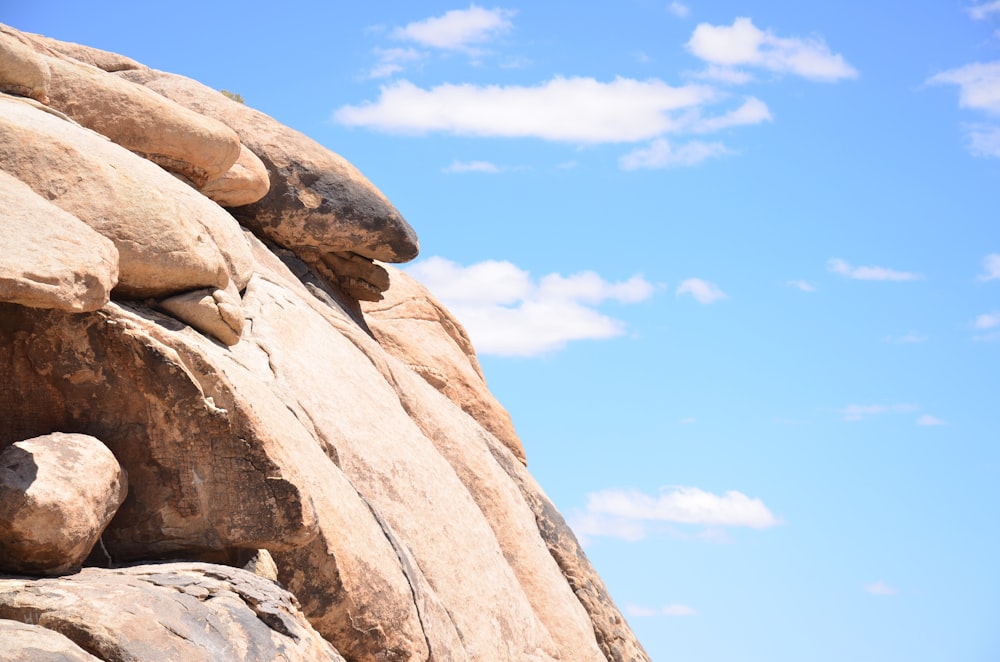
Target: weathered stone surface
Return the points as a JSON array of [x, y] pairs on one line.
[[22, 71], [414, 327], [57, 494], [316, 199], [356, 276], [245, 182], [23, 642], [48, 257], [217, 313], [174, 137], [104, 60], [173, 611], [169, 238]]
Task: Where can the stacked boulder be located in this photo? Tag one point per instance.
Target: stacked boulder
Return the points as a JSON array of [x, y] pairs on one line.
[[191, 380]]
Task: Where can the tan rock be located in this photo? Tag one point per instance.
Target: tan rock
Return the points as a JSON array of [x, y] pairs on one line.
[[23, 642], [58, 492], [317, 199], [413, 326], [245, 182], [22, 70], [182, 141], [217, 313], [169, 238], [104, 60], [196, 612], [50, 258]]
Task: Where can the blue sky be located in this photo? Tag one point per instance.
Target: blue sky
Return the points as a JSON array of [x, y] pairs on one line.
[[733, 267]]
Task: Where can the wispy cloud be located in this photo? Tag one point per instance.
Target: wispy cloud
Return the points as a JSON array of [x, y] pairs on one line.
[[473, 166], [458, 29], [668, 610], [721, 74], [880, 587], [631, 515], [987, 321], [678, 9], [982, 11], [688, 421], [661, 154], [508, 313], [907, 338], [702, 290], [844, 268], [928, 420], [991, 267], [392, 60], [861, 412], [979, 90], [802, 285], [743, 44]]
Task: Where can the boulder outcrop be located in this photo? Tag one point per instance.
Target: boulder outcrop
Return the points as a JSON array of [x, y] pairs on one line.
[[261, 412]]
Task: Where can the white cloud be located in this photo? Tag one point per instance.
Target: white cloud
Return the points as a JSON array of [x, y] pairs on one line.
[[843, 268], [804, 286], [458, 29], [632, 515], [579, 110], [678, 9], [991, 267], [927, 419], [660, 154], [880, 588], [980, 12], [720, 74], [907, 338], [743, 43], [508, 313], [861, 412], [983, 140], [987, 321], [978, 82], [392, 61], [669, 610], [753, 111], [701, 290], [472, 166]]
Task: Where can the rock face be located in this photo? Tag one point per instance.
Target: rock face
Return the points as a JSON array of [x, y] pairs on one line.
[[259, 411], [57, 494]]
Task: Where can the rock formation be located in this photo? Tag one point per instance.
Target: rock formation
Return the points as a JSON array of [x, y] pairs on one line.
[[181, 326]]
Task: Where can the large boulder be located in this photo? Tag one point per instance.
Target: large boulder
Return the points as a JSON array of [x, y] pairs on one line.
[[413, 326], [48, 257], [24, 642], [22, 70], [195, 612], [317, 199], [169, 238], [245, 182], [57, 494]]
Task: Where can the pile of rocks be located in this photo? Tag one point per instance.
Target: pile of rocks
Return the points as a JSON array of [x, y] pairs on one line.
[[209, 365]]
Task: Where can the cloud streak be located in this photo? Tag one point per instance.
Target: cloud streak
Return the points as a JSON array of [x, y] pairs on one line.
[[843, 268], [458, 29], [701, 291], [509, 313]]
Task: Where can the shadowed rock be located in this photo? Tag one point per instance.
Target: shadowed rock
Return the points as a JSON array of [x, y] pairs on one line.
[[23, 642]]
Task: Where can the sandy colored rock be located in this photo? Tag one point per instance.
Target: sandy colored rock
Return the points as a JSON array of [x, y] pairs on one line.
[[196, 612], [57, 494], [22, 70], [173, 137], [217, 313], [104, 60], [245, 182], [414, 327], [50, 258], [317, 199], [23, 642], [169, 238]]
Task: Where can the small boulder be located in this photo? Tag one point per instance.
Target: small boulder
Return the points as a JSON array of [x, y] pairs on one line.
[[57, 494], [244, 183], [217, 313], [48, 257]]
